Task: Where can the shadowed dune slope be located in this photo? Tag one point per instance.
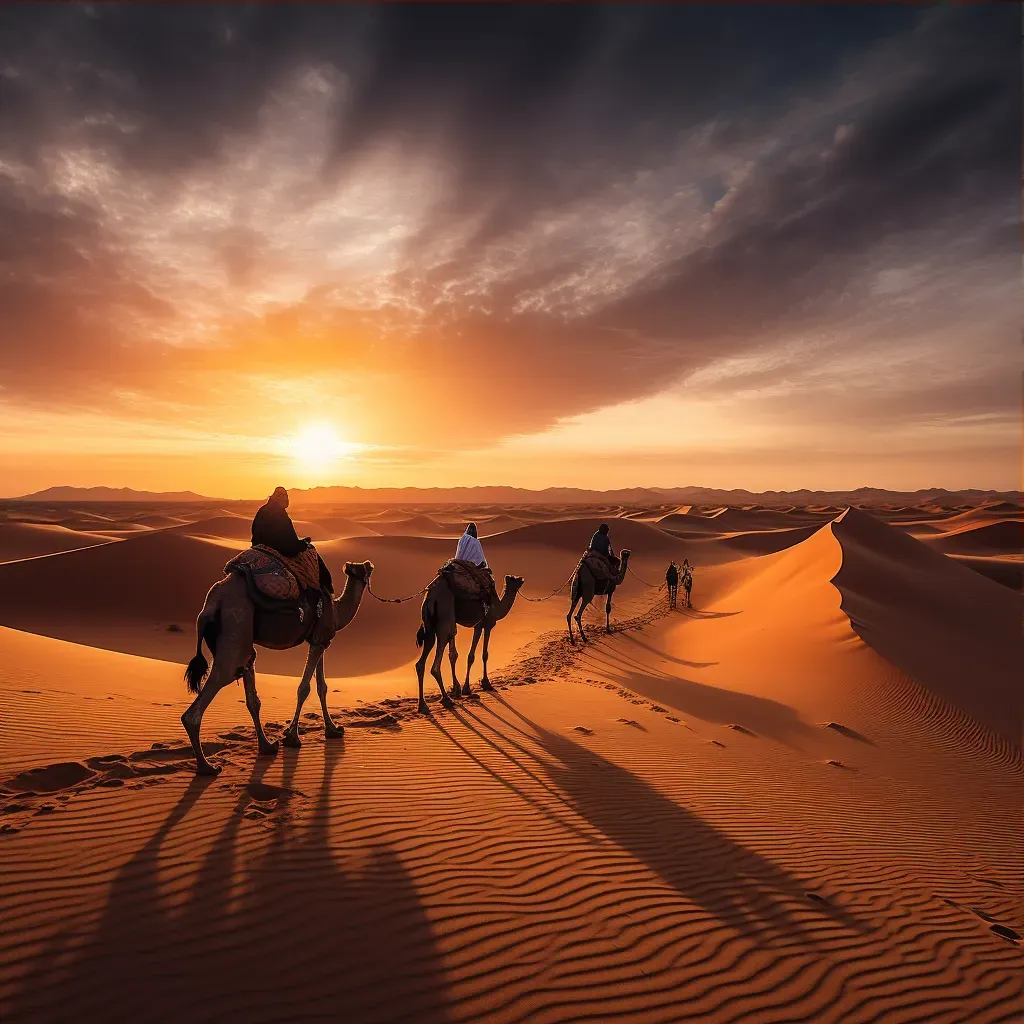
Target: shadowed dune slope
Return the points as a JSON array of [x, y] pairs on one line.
[[28, 540], [954, 631], [1003, 537]]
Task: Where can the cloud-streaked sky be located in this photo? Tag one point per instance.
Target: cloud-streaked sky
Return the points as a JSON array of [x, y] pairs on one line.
[[602, 246]]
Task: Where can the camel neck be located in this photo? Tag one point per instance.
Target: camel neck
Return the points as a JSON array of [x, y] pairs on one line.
[[347, 603]]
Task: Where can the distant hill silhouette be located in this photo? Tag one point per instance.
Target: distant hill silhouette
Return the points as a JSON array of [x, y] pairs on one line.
[[501, 497], [112, 494]]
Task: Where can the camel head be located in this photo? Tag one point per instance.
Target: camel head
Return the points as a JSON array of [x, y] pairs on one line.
[[359, 571], [513, 584]]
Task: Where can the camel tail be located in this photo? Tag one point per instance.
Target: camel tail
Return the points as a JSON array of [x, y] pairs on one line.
[[198, 667]]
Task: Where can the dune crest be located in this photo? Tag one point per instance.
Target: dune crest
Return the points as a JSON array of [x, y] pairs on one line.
[[954, 631]]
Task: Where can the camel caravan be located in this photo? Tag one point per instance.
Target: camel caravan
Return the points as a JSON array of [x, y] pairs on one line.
[[279, 594]]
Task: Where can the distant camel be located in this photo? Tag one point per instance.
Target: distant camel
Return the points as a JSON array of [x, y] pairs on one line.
[[583, 589], [442, 613], [230, 626]]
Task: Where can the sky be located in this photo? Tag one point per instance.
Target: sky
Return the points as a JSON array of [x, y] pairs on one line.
[[595, 246]]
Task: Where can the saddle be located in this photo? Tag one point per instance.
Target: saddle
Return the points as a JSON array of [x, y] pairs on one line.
[[288, 587], [468, 580], [599, 566]]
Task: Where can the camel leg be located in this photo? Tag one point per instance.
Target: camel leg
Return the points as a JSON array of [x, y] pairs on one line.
[[568, 618], [435, 668], [608, 614], [331, 731], [291, 737], [471, 657], [584, 604], [429, 637], [192, 719], [252, 702], [485, 683], [453, 657]]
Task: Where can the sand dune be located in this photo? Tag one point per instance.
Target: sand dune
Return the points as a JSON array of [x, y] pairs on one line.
[[745, 811], [951, 629], [984, 538], [29, 540]]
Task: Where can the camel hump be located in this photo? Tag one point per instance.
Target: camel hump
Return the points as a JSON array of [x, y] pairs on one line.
[[265, 570], [599, 566], [467, 580]]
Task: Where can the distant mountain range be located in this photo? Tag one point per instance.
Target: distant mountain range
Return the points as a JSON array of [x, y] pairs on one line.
[[112, 494], [496, 495]]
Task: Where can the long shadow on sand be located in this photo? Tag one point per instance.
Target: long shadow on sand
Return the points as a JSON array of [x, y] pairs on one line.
[[761, 715], [282, 935], [747, 892]]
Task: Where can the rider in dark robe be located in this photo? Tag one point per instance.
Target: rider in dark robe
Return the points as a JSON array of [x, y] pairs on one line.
[[273, 527], [602, 544]]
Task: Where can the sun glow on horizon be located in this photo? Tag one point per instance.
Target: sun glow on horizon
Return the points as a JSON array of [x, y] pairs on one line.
[[317, 447]]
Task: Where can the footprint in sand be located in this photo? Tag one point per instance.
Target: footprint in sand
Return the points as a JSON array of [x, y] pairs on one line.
[[845, 730], [740, 728], [583, 729], [633, 723], [49, 779], [839, 764], [1005, 932]]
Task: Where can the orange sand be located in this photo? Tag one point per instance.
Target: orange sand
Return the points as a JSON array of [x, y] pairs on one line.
[[799, 800]]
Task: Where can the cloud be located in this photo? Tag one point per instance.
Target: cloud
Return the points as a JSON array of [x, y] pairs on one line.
[[467, 223]]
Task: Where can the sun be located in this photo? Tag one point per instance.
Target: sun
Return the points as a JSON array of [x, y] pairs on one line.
[[317, 447]]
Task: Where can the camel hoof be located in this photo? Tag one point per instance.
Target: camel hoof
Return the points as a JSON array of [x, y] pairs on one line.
[[423, 708], [334, 732], [268, 749], [205, 768], [456, 692], [485, 684], [291, 739], [446, 702]]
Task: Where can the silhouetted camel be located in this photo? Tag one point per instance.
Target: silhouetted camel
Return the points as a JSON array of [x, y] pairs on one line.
[[230, 626]]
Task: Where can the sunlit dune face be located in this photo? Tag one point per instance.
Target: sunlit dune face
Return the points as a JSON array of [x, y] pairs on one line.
[[317, 448]]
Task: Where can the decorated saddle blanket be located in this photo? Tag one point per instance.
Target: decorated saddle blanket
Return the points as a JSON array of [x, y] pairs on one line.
[[276, 576], [599, 566], [467, 579]]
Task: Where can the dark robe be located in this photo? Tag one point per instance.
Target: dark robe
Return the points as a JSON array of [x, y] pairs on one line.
[[273, 527], [601, 543]]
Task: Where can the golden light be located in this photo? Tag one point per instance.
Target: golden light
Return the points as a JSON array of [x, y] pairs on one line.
[[318, 446]]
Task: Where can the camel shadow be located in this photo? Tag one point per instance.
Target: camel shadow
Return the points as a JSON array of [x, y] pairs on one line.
[[761, 715], [631, 638], [745, 891], [270, 929]]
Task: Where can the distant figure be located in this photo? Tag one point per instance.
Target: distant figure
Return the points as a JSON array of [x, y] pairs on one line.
[[273, 528], [601, 543], [687, 582], [470, 549], [672, 579]]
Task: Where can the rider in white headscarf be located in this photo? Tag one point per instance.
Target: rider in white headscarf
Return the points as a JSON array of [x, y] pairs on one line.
[[470, 549]]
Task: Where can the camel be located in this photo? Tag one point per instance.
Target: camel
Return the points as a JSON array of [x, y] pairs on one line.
[[230, 626], [583, 589], [442, 613]]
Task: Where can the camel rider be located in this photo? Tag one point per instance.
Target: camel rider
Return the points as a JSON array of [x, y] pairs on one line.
[[601, 543], [672, 582], [470, 550], [273, 528]]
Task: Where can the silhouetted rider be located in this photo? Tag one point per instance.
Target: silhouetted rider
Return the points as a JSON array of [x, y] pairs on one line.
[[273, 527]]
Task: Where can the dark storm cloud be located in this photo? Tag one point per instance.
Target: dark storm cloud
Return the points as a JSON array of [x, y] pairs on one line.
[[828, 138]]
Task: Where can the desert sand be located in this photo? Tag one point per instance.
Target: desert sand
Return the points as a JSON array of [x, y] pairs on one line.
[[799, 799]]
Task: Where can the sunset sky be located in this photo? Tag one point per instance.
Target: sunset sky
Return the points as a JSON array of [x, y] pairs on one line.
[[563, 245]]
